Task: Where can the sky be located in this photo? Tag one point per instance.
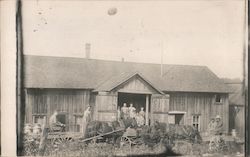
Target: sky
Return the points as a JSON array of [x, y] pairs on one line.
[[192, 32]]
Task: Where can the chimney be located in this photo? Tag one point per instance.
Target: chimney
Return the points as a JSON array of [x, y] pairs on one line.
[[87, 50]]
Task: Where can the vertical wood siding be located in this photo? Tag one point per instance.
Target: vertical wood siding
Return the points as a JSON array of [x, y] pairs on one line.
[[202, 104], [46, 101], [106, 107], [159, 108], [135, 85]]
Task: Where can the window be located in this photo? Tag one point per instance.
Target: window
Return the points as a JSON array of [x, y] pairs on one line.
[[39, 119], [179, 119], [176, 117], [196, 122], [61, 117], [218, 98]]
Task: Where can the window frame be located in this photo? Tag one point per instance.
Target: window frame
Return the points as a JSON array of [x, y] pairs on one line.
[[196, 121], [220, 98], [34, 116]]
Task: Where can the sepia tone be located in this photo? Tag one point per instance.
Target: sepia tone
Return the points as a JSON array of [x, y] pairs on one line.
[[93, 80]]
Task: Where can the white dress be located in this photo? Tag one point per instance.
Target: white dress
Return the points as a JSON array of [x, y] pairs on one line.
[[132, 112]]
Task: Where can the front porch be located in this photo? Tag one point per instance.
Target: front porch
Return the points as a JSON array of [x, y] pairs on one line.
[[134, 90]]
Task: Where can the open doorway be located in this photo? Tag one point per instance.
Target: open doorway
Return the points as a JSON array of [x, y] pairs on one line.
[[176, 118], [179, 119], [138, 100]]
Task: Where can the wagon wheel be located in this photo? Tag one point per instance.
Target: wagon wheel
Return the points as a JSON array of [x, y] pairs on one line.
[[63, 141], [125, 141], [61, 144]]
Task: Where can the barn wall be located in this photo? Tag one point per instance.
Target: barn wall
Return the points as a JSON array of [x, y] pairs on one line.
[[46, 101], [159, 108], [202, 104], [135, 85], [106, 106]]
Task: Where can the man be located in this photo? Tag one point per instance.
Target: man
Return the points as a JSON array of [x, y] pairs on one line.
[[132, 111], [54, 123], [124, 111], [86, 115], [86, 119]]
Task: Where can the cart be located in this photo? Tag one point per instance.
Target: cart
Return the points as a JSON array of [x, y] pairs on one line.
[[130, 138]]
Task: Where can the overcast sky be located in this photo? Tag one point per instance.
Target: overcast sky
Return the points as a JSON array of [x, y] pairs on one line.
[[197, 32]]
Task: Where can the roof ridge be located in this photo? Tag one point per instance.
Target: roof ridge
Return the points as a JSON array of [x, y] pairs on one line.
[[69, 72], [104, 60]]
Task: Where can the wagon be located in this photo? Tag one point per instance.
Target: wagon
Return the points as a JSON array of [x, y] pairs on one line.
[[63, 139], [130, 137]]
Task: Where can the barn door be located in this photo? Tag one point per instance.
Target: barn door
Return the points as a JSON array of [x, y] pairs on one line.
[[159, 108], [106, 107]]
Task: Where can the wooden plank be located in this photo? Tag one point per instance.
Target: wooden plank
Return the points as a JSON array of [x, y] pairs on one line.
[[44, 135], [107, 111], [147, 110], [87, 139]]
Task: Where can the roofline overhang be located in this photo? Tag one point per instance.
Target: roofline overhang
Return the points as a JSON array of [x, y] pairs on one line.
[[140, 75], [127, 79]]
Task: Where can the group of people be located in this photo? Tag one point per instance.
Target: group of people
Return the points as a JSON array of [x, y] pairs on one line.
[[216, 126], [130, 112], [123, 113]]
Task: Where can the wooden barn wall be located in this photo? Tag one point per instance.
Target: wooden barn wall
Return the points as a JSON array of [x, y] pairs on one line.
[[46, 101], [159, 108], [106, 106], [135, 85], [202, 104]]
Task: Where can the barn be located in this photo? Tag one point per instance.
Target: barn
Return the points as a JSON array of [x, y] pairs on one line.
[[179, 94]]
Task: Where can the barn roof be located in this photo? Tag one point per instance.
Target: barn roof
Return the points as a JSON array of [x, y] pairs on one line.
[[115, 81], [236, 97], [81, 73]]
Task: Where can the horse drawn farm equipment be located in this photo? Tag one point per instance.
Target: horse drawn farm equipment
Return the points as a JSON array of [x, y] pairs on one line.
[[50, 142]]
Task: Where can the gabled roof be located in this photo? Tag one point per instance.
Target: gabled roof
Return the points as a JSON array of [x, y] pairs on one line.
[[115, 81], [81, 73]]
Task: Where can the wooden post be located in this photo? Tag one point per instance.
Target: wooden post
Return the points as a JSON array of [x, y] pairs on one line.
[[147, 109], [44, 135]]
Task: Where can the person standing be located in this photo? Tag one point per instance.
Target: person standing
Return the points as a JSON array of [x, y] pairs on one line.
[[124, 111], [132, 110], [141, 117], [86, 119], [142, 113]]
